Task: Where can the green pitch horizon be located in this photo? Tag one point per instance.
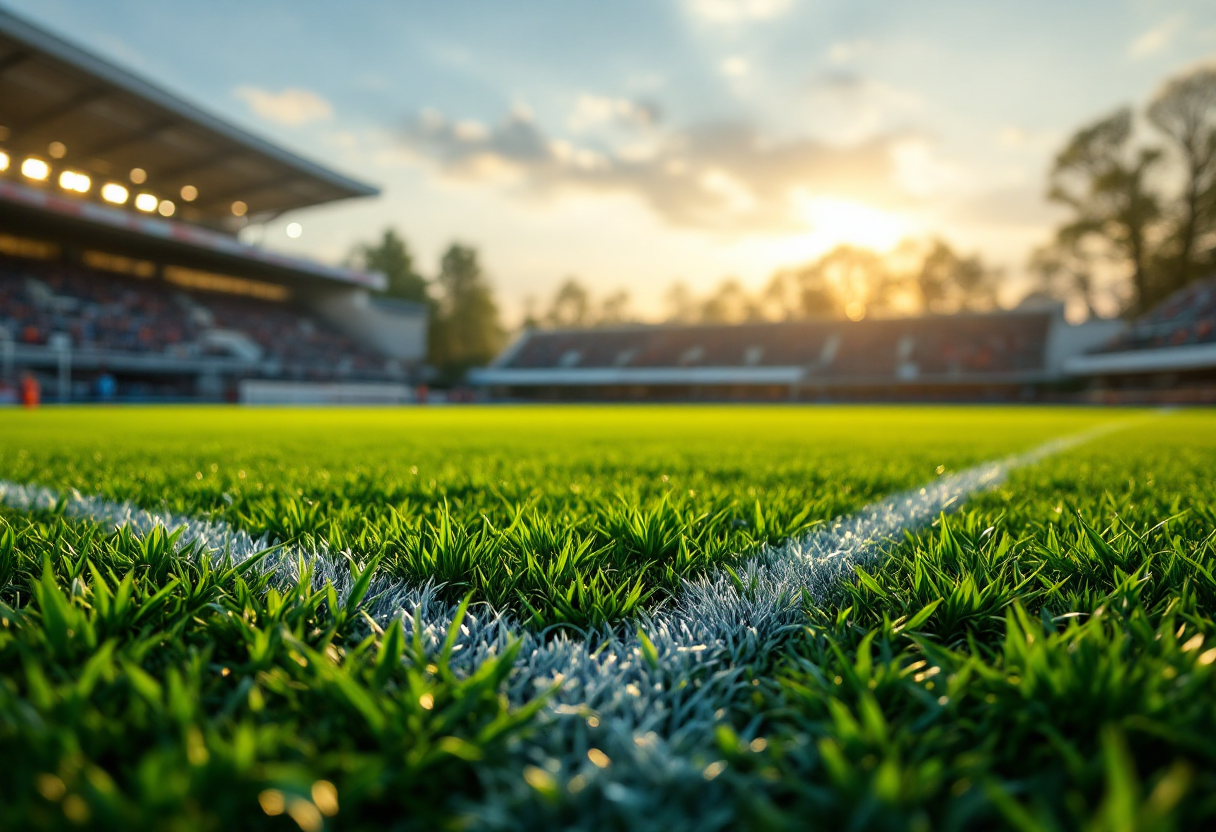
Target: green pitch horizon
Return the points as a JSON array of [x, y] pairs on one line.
[[568, 514], [1042, 659]]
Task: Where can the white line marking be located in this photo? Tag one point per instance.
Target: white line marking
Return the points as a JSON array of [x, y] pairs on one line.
[[655, 720]]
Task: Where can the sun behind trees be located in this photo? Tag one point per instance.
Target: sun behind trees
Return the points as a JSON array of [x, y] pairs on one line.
[[1142, 201], [918, 277]]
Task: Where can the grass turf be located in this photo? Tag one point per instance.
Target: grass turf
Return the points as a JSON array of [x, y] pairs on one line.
[[1044, 659], [564, 515]]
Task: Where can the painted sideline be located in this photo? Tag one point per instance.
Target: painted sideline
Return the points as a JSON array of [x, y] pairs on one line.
[[650, 706]]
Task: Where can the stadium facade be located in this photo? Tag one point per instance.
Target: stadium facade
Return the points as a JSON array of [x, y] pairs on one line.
[[120, 209], [1027, 354]]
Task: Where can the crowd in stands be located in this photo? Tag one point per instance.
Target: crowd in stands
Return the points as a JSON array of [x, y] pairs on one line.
[[109, 314], [913, 347], [41, 302], [1185, 318]]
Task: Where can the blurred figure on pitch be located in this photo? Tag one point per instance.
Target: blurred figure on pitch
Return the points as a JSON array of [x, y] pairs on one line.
[[31, 391], [107, 387]]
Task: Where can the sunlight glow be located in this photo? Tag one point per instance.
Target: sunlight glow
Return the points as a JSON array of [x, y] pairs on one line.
[[837, 222]]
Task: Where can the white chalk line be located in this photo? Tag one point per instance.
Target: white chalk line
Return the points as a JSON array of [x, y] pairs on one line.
[[655, 718]]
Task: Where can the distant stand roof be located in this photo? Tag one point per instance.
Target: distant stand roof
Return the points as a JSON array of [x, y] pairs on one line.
[[111, 121]]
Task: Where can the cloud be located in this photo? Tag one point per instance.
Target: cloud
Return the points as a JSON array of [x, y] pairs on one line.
[[1155, 39], [1009, 206], [597, 110], [846, 51], [849, 105], [921, 171], [1015, 138], [738, 11], [720, 176], [292, 106], [735, 67]]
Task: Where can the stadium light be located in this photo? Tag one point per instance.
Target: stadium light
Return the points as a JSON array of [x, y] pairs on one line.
[[166, 208], [4, 160], [35, 168], [139, 176], [57, 150], [239, 208], [70, 180], [189, 193], [294, 230], [115, 193], [146, 202]]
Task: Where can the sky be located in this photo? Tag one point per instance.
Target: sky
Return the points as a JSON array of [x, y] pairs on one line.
[[639, 142]]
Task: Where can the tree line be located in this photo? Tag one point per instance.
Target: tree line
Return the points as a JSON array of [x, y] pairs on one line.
[[465, 326], [1140, 189], [918, 277]]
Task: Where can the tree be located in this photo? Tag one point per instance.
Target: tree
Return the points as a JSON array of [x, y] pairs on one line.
[[614, 309], [391, 257], [845, 282], [681, 305], [1184, 110], [1105, 181], [1065, 270], [947, 282], [729, 304], [571, 305], [465, 329]]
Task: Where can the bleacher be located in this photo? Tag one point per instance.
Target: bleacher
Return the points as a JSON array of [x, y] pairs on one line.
[[1186, 318], [42, 304], [1000, 350], [1167, 356]]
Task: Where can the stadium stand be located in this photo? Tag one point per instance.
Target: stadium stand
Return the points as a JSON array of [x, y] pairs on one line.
[[1186, 317], [1166, 356], [993, 356], [120, 257], [98, 312]]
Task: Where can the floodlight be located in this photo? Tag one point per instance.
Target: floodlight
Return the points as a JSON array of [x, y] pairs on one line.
[[294, 230], [189, 193], [239, 208], [115, 193], [35, 168], [70, 180], [139, 176], [57, 150], [166, 208], [146, 202], [3, 161]]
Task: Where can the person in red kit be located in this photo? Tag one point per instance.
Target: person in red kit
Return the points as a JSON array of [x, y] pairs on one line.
[[31, 391]]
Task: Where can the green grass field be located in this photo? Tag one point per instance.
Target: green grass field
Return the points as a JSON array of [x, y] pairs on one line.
[[1045, 658]]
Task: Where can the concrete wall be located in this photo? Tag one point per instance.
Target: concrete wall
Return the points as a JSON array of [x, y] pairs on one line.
[[257, 391], [1066, 340], [397, 329]]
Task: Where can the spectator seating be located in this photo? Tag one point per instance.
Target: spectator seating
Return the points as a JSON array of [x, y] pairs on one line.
[[1185, 318], [940, 346], [99, 311]]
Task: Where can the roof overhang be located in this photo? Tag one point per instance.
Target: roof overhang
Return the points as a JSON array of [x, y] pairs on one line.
[[168, 236], [1163, 359], [112, 121], [723, 376]]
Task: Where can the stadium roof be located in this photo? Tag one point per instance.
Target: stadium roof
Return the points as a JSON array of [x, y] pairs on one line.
[[23, 208], [1154, 360], [110, 122]]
